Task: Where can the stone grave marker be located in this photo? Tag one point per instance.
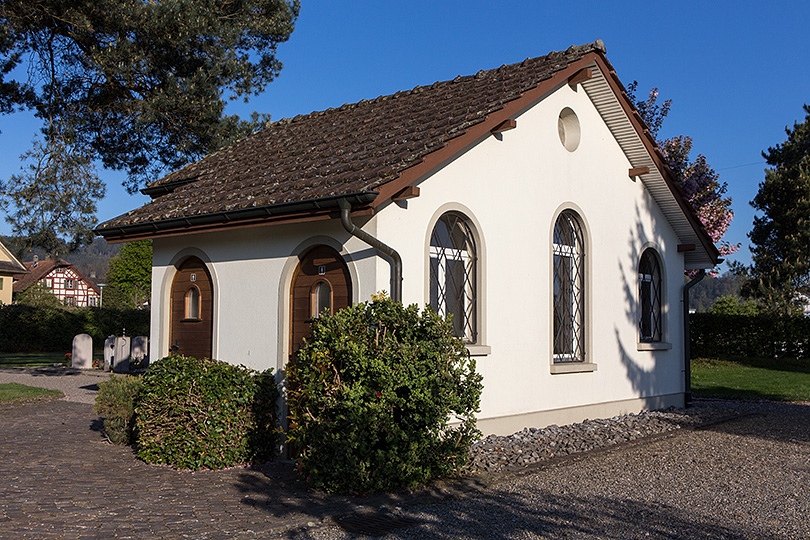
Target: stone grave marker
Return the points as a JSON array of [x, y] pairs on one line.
[[109, 352], [81, 356], [139, 352], [121, 362]]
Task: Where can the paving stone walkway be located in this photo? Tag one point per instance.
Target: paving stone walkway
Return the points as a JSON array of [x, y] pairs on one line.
[[60, 479]]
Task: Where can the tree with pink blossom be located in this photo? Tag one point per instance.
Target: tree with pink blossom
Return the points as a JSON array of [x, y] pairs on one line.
[[700, 183]]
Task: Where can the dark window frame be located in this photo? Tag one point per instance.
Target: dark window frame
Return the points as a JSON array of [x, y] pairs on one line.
[[569, 281], [453, 273], [650, 305]]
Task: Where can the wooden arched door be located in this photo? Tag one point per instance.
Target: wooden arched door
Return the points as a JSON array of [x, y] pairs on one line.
[[321, 281], [192, 312]]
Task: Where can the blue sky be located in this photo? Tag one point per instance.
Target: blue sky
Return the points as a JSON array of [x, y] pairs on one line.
[[737, 72]]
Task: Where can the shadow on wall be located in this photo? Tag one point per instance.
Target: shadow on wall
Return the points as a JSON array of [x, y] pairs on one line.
[[644, 381]]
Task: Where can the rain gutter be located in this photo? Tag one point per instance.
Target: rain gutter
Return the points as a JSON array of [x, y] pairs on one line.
[[242, 214], [396, 260], [687, 338]]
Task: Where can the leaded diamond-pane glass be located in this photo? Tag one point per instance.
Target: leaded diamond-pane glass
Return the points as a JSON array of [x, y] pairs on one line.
[[453, 260], [649, 296], [569, 289]]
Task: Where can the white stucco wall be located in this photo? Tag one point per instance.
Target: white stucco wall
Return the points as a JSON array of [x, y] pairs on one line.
[[252, 270], [512, 186]]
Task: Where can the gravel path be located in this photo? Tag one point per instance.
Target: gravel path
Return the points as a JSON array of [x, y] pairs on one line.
[[743, 479], [78, 385]]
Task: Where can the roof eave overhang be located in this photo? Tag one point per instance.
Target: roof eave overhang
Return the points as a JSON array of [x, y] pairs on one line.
[[308, 210], [626, 125], [631, 133]]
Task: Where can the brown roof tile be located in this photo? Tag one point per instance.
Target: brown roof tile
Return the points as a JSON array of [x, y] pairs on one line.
[[351, 149], [39, 269]]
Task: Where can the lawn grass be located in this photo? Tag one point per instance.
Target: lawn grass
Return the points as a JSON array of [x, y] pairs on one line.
[[784, 379], [21, 392], [33, 359]]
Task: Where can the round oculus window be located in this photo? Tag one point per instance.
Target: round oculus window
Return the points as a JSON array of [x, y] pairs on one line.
[[568, 129]]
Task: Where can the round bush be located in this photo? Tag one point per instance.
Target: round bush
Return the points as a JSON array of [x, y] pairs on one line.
[[195, 414], [381, 397], [115, 401]]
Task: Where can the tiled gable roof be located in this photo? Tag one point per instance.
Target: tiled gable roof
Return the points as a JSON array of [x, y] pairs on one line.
[[37, 270], [8, 267], [356, 148], [40, 269]]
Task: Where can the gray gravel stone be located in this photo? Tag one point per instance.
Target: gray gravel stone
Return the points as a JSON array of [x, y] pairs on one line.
[[742, 475]]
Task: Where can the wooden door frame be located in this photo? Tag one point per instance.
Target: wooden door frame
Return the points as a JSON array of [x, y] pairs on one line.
[[165, 303], [284, 319], [291, 296]]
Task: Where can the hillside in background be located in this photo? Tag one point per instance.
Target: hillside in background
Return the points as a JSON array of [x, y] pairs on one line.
[[92, 260], [706, 292]]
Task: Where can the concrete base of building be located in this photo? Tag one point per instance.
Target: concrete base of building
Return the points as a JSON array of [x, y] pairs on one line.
[[506, 425]]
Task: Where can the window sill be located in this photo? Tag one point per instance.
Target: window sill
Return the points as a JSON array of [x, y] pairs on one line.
[[654, 346], [573, 367], [478, 350], [191, 319]]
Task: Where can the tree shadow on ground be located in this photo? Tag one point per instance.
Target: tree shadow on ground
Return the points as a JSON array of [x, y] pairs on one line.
[[483, 513], [502, 513], [503, 510], [790, 365], [787, 422]]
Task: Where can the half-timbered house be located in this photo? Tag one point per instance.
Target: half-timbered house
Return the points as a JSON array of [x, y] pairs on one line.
[[62, 279]]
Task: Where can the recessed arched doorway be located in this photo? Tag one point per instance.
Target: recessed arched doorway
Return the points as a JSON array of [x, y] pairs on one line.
[[320, 282], [192, 313]]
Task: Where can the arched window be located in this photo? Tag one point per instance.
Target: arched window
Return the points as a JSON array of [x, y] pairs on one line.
[[453, 268], [649, 297], [569, 288], [193, 303], [320, 298]]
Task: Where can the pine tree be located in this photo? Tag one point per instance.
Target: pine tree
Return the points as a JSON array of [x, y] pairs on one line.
[[781, 234], [140, 85]]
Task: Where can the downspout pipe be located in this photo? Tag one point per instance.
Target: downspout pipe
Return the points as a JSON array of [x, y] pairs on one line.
[[396, 260], [687, 338]]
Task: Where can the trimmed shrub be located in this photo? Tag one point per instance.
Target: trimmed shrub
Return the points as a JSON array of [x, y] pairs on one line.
[[381, 397], [116, 401], [206, 414]]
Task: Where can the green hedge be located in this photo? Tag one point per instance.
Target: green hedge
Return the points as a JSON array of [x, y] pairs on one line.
[[32, 329], [768, 336], [206, 414], [381, 397]]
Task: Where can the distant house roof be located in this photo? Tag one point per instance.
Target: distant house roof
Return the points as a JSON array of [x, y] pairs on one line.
[[39, 269], [12, 265], [368, 152]]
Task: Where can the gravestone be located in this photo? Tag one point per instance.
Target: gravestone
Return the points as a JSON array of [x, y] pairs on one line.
[[109, 352], [139, 353], [121, 361], [81, 356]]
